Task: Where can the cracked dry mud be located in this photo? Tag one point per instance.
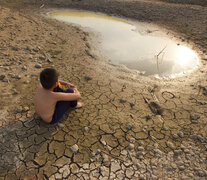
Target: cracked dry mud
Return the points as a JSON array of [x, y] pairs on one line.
[[132, 127]]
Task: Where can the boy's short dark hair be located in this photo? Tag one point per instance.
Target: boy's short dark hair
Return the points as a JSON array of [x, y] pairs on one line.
[[48, 77]]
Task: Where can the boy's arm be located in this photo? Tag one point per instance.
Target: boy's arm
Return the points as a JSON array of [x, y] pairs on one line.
[[59, 96], [67, 84]]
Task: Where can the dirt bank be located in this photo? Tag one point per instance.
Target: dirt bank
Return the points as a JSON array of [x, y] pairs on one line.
[[192, 2], [129, 122]]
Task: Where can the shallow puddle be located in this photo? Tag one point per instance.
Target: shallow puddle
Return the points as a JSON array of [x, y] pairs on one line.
[[133, 45]]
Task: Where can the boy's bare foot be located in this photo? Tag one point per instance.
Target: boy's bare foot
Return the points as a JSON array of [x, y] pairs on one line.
[[79, 105]]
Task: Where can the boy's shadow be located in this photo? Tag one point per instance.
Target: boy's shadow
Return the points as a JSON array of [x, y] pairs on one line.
[[21, 140]]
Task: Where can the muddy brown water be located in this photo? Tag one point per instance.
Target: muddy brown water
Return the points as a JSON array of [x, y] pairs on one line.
[[135, 45]]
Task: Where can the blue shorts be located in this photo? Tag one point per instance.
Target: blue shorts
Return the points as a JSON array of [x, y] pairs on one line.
[[62, 106]]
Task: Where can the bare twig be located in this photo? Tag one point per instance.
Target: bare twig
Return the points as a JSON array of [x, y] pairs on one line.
[[161, 52], [157, 58]]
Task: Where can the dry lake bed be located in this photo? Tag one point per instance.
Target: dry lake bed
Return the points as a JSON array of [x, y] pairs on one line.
[[137, 123]]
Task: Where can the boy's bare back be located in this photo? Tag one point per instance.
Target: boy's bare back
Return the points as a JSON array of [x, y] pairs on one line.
[[45, 102]]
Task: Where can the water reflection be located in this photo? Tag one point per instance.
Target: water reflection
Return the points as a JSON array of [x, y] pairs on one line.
[[126, 43]]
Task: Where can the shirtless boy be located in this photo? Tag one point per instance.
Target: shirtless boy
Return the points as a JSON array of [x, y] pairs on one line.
[[51, 101]]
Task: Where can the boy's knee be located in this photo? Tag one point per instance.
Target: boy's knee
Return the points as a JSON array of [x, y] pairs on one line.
[[69, 90]]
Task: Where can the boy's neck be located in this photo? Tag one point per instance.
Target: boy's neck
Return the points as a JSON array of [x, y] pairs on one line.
[[54, 86], [51, 89]]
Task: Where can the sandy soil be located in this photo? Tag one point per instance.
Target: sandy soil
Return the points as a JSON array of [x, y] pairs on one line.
[[123, 111]]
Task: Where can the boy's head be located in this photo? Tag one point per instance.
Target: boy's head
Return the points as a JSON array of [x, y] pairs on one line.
[[48, 78]]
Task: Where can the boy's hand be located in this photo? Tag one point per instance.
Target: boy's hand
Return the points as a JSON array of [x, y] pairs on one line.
[[69, 85], [76, 91]]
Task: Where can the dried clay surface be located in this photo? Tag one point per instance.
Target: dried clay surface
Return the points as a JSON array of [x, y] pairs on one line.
[[131, 127]]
